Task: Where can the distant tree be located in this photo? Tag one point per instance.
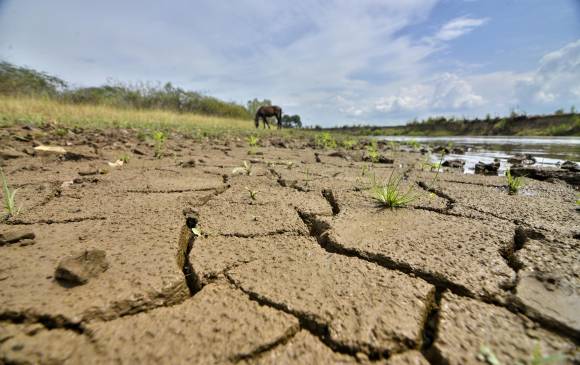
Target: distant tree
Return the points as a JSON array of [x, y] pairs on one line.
[[253, 105], [291, 121], [559, 111], [573, 109], [15, 80]]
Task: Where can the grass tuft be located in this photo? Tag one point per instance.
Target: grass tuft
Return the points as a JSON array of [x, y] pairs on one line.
[[514, 183], [391, 194], [9, 197]]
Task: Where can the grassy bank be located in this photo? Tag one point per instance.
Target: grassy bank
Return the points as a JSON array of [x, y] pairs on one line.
[[39, 111], [25, 110], [541, 125]]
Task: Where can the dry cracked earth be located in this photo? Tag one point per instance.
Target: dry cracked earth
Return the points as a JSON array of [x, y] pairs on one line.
[[172, 261]]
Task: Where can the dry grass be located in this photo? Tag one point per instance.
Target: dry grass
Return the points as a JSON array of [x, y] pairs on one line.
[[38, 110]]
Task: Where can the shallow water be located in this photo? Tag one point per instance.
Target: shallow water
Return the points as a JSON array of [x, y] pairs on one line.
[[548, 151]]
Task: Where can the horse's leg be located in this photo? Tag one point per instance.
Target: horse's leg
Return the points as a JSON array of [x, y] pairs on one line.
[[265, 120]]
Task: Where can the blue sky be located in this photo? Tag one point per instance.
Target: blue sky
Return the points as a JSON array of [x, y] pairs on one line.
[[333, 62]]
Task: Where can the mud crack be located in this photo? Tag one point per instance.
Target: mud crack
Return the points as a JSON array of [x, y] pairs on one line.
[[54, 221], [186, 239], [450, 201], [315, 326], [49, 322], [318, 230], [431, 328], [329, 196]]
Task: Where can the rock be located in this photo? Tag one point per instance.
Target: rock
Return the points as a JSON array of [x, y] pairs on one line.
[[522, 159], [16, 235], [91, 172], [49, 150], [340, 154], [455, 164], [458, 150], [317, 157], [117, 163], [441, 149], [9, 154], [188, 164], [483, 168], [74, 156], [380, 159], [546, 173], [78, 268], [139, 152], [278, 142], [424, 150], [570, 165]]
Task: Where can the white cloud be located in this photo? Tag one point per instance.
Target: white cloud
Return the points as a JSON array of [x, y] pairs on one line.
[[457, 27], [556, 82], [443, 92]]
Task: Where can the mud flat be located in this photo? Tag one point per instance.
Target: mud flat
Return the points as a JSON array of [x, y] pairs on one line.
[[195, 257]]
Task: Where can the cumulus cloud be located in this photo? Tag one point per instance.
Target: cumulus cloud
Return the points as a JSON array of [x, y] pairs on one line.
[[446, 91], [556, 81]]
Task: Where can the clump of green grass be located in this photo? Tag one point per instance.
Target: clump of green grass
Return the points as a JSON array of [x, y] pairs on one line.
[[9, 197], [325, 140], [125, 158], [515, 183], [253, 143], [391, 194], [414, 144], [253, 193], [159, 138], [348, 143], [373, 151], [245, 169]]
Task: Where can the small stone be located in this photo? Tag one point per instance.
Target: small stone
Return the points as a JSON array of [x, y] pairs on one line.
[[188, 164], [138, 152], [16, 235], [482, 168], [454, 164], [50, 150], [79, 267], [570, 165]]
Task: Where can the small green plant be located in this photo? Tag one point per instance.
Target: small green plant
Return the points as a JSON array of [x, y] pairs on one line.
[[253, 141], [391, 194], [307, 176], [245, 169], [159, 138], [125, 158], [9, 197], [253, 193], [325, 140], [487, 356], [515, 183], [373, 151], [348, 143], [414, 144]]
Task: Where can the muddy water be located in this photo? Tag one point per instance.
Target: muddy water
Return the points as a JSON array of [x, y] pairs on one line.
[[548, 151]]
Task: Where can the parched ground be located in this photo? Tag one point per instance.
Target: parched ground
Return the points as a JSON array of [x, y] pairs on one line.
[[179, 263]]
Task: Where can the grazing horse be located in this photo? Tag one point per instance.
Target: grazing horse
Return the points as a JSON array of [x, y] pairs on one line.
[[265, 112]]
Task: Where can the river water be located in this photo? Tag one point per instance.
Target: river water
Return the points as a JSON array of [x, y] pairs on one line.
[[548, 151]]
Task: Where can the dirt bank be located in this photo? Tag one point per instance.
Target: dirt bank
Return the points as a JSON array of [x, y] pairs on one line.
[[195, 257]]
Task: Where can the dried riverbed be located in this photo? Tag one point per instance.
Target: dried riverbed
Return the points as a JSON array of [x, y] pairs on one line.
[[171, 260]]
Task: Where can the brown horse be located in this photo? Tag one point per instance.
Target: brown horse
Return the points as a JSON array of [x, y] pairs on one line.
[[267, 111]]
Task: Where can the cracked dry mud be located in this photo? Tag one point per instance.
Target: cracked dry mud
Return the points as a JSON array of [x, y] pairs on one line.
[[311, 271]]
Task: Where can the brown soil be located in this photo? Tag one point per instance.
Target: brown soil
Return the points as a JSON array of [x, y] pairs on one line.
[[308, 271]]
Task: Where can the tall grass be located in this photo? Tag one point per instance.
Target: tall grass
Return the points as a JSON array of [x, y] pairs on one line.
[[45, 110]]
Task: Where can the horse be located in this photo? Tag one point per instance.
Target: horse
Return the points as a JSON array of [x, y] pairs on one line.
[[265, 112]]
